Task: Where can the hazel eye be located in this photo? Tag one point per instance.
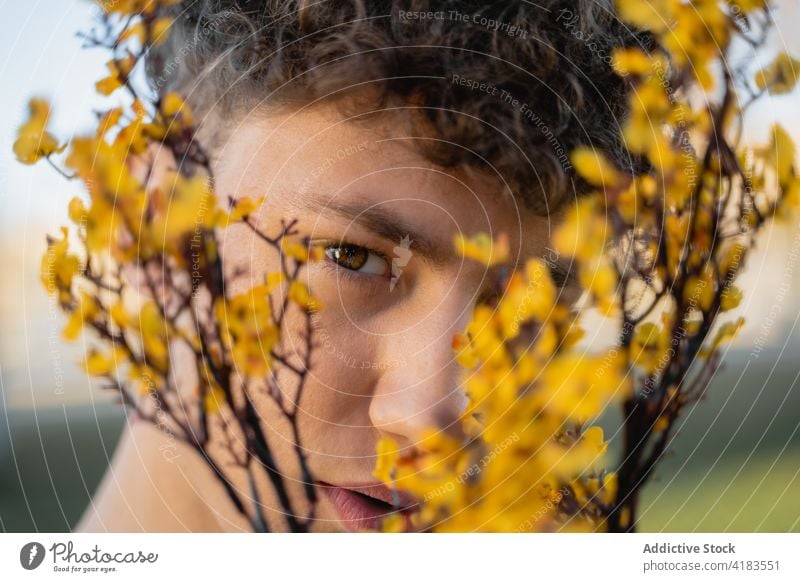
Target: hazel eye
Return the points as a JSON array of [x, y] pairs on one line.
[[356, 258]]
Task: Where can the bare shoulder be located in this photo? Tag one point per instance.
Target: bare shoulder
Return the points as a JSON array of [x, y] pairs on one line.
[[156, 484]]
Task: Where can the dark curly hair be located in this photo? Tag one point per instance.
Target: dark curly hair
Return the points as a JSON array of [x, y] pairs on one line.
[[511, 86]]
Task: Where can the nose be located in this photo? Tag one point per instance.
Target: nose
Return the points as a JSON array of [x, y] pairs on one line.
[[423, 391]]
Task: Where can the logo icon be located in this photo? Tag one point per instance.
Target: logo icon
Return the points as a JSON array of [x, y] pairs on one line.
[[402, 254], [31, 555]]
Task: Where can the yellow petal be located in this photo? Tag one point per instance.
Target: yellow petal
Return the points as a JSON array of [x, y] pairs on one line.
[[33, 140], [388, 454], [214, 399], [780, 76], [594, 167], [483, 249]]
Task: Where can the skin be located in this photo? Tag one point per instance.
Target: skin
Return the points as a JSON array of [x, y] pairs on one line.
[[384, 365]]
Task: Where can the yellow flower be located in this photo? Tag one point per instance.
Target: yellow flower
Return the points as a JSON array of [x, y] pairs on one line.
[[117, 197], [782, 155], [244, 207], [183, 208], [247, 330], [154, 335], [594, 437], [648, 347], [118, 70], [526, 298], [120, 316], [134, 138], [600, 279], [300, 252], [584, 232], [780, 76], [174, 119], [649, 106], [700, 289], [627, 204], [393, 523], [33, 140], [790, 203], [574, 388], [86, 310], [676, 233], [77, 210], [732, 260], [58, 267], [594, 167], [98, 363], [214, 399], [300, 295], [631, 61], [483, 249], [133, 7], [747, 6], [158, 30], [653, 15], [109, 121], [145, 378], [463, 350], [726, 333], [388, 454], [272, 280], [731, 298]]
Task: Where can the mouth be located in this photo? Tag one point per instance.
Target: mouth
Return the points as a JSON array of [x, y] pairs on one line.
[[363, 507]]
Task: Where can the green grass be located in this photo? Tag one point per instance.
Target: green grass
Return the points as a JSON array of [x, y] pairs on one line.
[[50, 472], [759, 495], [734, 464]]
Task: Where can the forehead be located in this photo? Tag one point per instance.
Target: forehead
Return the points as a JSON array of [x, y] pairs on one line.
[[313, 160]]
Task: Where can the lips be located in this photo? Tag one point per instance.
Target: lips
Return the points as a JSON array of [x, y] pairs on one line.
[[363, 507]]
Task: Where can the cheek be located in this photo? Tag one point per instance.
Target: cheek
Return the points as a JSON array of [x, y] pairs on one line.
[[335, 406], [341, 360]]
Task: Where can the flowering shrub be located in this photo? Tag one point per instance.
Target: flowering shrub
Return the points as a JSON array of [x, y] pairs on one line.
[[657, 251]]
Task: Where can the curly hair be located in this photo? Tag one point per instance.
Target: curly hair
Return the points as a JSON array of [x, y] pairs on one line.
[[510, 86]]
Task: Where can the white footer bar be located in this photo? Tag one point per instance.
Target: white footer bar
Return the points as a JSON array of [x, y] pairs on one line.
[[400, 557]]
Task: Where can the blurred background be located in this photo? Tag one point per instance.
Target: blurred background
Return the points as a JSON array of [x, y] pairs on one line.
[[735, 465]]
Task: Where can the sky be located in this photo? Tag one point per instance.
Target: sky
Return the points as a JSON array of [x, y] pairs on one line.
[[41, 55]]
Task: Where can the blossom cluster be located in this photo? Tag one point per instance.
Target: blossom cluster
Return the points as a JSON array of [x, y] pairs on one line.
[[141, 268], [657, 248]]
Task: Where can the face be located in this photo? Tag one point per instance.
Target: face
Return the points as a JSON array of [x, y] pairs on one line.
[[393, 289]]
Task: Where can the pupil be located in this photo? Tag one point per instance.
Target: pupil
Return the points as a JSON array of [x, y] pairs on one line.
[[350, 257]]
